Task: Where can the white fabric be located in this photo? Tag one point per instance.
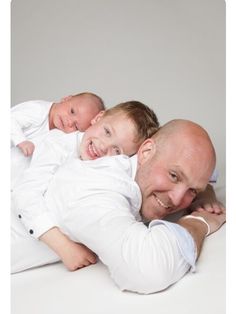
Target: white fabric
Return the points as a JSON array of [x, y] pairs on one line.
[[29, 121], [97, 203], [48, 156]]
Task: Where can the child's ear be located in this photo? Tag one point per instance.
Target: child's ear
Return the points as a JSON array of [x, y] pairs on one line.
[[97, 117], [146, 151]]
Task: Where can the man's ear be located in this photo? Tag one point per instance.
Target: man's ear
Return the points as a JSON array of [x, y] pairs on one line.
[[97, 117], [146, 151]]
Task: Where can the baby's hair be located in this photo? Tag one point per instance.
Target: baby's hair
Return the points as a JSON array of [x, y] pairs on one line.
[[143, 117], [98, 99]]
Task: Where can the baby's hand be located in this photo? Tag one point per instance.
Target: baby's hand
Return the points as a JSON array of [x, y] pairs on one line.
[[26, 147]]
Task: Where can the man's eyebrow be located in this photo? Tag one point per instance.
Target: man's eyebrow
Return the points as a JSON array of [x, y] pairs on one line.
[[181, 172]]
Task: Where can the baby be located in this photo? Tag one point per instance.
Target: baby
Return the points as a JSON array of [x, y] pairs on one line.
[[31, 120]]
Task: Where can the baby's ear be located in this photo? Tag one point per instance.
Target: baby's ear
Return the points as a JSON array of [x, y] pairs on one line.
[[98, 117], [146, 150], [64, 99]]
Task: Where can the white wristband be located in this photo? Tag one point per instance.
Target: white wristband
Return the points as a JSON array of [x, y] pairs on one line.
[[202, 219]]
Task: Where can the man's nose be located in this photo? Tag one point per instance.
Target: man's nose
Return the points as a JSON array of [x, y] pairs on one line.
[[177, 195]]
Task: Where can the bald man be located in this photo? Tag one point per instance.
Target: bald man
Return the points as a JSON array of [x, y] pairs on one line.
[[98, 204]]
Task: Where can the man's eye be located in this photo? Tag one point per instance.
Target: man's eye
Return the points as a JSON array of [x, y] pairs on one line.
[[193, 192], [107, 131], [174, 176]]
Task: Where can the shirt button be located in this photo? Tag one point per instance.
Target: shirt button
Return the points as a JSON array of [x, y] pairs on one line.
[[31, 231], [19, 216]]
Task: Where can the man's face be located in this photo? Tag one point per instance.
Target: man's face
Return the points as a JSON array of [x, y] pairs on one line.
[[74, 113], [109, 135], [170, 179]]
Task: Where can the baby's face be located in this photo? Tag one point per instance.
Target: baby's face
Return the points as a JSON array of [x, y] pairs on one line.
[[108, 136], [74, 113]]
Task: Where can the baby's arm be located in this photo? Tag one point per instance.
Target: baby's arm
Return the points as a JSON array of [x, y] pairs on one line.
[[25, 115], [26, 147], [73, 255]]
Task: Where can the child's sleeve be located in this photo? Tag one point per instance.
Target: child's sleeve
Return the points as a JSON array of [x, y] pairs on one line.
[[28, 195]]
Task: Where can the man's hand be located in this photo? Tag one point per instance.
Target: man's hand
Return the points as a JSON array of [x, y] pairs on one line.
[[207, 201], [27, 148], [73, 255]]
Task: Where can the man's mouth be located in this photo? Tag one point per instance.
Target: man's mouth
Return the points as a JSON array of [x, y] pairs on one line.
[[161, 203]]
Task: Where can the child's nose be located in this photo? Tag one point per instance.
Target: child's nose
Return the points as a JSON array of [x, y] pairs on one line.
[[103, 149]]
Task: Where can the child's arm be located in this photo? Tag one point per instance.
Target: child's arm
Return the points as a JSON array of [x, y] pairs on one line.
[[28, 195], [73, 255]]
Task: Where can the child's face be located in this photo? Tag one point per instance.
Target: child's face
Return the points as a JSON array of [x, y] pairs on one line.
[[74, 113], [108, 136]]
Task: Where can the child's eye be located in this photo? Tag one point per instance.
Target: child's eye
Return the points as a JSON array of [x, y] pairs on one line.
[[117, 151], [107, 131]]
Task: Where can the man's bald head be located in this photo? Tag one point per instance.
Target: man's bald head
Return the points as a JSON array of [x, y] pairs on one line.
[[190, 136], [173, 167]]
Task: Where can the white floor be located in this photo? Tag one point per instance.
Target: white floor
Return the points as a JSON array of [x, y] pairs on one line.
[[53, 290]]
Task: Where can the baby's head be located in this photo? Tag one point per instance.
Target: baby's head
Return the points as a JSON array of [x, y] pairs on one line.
[[118, 130], [75, 112]]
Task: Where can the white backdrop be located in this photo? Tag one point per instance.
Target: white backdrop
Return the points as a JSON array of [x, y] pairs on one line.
[[169, 54]]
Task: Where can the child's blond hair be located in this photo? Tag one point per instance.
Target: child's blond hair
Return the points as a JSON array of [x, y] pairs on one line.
[[143, 117]]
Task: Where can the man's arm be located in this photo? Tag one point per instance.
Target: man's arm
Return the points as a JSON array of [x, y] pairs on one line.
[[199, 229], [207, 200]]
